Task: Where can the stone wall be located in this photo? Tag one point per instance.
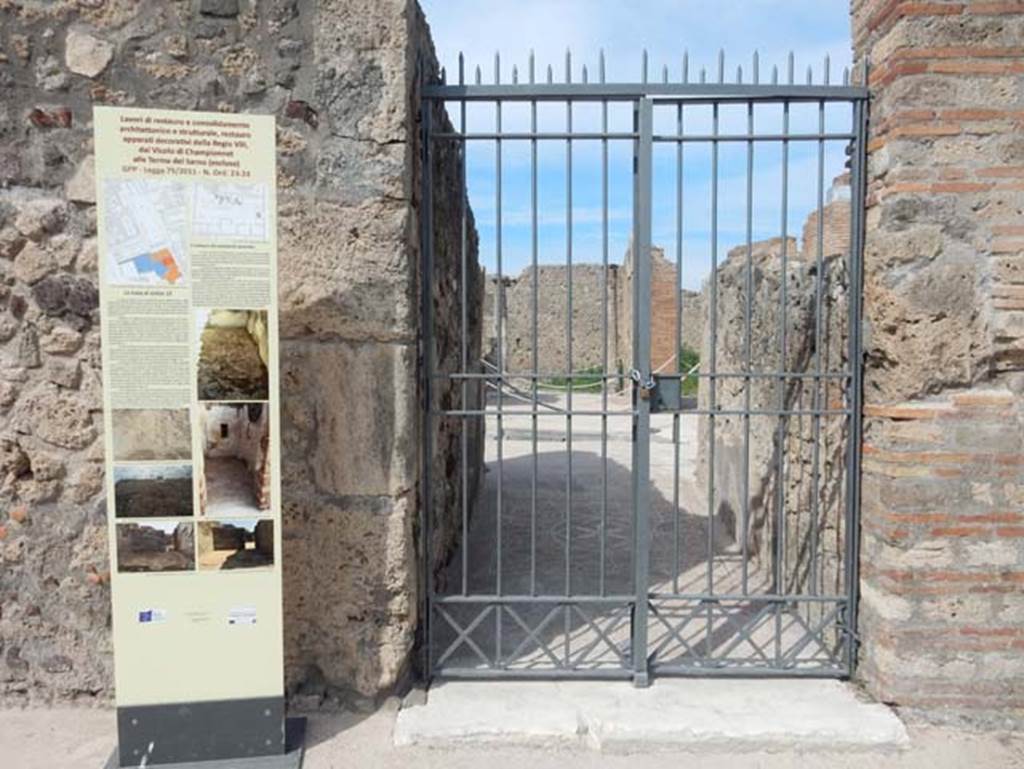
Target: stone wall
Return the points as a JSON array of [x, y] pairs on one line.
[[941, 607], [592, 317], [590, 314], [340, 75], [795, 462]]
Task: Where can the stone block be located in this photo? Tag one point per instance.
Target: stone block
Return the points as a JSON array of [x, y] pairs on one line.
[[86, 54], [41, 217], [346, 272], [350, 591], [33, 263], [81, 188], [56, 416], [361, 397]]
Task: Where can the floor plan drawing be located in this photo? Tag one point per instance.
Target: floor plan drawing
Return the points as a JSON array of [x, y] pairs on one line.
[[229, 211], [146, 231]]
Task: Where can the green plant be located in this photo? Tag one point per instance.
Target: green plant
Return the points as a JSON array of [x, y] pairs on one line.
[[585, 379], [688, 358]]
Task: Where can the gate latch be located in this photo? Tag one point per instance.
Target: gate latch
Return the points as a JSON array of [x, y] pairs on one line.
[[664, 393], [644, 386]]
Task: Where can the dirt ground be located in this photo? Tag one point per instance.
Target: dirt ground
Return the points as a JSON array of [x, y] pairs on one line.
[[153, 497], [66, 738], [229, 488], [230, 367]]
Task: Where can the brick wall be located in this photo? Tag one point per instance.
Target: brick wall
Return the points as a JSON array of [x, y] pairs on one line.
[[942, 605]]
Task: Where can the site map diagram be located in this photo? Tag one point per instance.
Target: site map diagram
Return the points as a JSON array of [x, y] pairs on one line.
[[146, 226], [236, 211]]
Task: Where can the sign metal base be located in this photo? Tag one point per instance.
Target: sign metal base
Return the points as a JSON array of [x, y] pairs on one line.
[[295, 732]]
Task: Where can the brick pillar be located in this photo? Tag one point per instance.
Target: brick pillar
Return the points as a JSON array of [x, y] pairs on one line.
[[942, 561]]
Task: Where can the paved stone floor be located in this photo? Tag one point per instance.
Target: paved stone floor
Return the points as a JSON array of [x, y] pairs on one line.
[[68, 738], [543, 517], [229, 488], [230, 367]]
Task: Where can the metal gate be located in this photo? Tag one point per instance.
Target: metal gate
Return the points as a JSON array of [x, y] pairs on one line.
[[594, 506]]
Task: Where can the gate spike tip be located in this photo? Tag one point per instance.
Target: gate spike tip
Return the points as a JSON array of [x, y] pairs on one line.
[[551, 75], [721, 65], [775, 74], [568, 65], [664, 73], [531, 65], [686, 67], [846, 75], [515, 75], [462, 69], [478, 75], [703, 75], [789, 68], [810, 75], [497, 67], [827, 68], [643, 67], [444, 77], [755, 73], [585, 78], [739, 74], [600, 65]]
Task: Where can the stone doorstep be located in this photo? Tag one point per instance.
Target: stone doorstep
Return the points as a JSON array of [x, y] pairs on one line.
[[687, 715]]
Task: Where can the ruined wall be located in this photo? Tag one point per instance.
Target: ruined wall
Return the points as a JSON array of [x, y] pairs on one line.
[[340, 77], [589, 316], [795, 463], [588, 310], [942, 558], [664, 284]]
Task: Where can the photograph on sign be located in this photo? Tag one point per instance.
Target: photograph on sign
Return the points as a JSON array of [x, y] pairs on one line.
[[151, 434], [233, 353], [236, 543], [156, 546], [153, 491], [236, 478]]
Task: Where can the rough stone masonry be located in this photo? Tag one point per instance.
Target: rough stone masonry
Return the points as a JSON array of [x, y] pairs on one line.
[[341, 78], [943, 486], [942, 560]]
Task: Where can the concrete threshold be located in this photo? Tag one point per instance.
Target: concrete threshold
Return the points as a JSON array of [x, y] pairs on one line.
[[686, 715]]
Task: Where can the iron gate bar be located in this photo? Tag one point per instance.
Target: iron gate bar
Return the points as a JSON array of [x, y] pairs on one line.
[[642, 363], [819, 283], [780, 505], [747, 344], [464, 342], [713, 92], [858, 192], [604, 337], [728, 606]]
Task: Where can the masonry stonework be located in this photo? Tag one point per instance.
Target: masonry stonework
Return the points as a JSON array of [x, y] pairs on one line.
[[942, 562], [601, 312], [340, 76]]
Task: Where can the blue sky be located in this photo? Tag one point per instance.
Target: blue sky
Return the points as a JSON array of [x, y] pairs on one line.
[[666, 29]]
